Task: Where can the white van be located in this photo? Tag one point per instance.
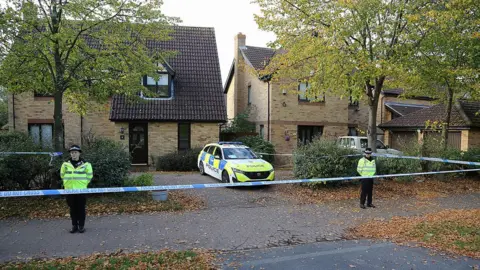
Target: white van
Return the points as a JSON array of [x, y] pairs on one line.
[[360, 143]]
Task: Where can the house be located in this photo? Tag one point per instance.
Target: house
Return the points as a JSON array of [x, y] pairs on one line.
[[464, 130], [392, 105], [188, 113], [287, 117]]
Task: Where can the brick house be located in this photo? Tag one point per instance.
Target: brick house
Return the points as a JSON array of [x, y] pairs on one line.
[[464, 131], [285, 118], [187, 114]]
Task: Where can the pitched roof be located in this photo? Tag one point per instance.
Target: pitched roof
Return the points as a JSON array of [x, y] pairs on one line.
[[398, 91], [404, 108], [257, 56], [464, 115], [198, 92]]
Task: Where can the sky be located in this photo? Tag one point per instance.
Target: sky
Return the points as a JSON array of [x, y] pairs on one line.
[[228, 17]]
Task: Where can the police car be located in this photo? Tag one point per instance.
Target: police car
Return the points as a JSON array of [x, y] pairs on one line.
[[232, 162]]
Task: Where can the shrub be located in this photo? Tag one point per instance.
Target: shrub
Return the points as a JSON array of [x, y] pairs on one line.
[[24, 171], [179, 161], [397, 165], [323, 158], [259, 145], [110, 162], [142, 180]]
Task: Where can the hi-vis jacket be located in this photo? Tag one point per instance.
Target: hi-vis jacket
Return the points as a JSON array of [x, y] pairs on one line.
[[76, 178], [366, 167]]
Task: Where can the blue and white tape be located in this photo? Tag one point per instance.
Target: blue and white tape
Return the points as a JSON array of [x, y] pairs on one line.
[[53, 192], [31, 153], [406, 157]]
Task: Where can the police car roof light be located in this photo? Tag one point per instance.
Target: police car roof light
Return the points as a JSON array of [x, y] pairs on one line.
[[239, 143]]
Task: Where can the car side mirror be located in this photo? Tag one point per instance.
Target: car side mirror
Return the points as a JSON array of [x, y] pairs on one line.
[[386, 146], [260, 156]]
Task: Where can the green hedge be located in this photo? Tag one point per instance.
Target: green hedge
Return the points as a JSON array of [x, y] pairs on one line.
[[310, 163], [259, 145], [145, 179], [24, 171], [323, 158], [179, 161], [110, 161]]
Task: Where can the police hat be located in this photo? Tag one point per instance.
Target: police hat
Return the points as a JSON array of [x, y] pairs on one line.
[[368, 151], [75, 148]]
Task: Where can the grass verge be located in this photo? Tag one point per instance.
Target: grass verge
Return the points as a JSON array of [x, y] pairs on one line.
[[98, 204], [453, 231], [153, 260], [420, 188]]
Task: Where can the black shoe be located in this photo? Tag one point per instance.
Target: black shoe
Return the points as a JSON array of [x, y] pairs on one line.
[[74, 229], [362, 206], [81, 229], [371, 205]]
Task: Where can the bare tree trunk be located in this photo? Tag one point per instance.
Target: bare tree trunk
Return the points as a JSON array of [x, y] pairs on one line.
[[448, 113], [57, 124], [373, 98]]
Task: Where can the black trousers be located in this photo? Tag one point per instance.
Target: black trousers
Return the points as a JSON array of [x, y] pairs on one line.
[[367, 190], [77, 203]]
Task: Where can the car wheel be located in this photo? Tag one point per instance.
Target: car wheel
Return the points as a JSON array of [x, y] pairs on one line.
[[201, 168], [225, 177]]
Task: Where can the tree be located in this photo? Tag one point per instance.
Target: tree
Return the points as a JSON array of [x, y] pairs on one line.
[[446, 65], [3, 108], [345, 47], [80, 50]]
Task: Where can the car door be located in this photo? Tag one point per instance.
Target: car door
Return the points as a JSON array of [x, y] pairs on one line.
[[208, 160], [217, 158]]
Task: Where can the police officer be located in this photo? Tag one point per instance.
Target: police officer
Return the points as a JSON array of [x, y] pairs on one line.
[[366, 167], [76, 173]]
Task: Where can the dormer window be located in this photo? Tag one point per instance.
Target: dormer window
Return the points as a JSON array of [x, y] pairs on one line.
[[162, 87]]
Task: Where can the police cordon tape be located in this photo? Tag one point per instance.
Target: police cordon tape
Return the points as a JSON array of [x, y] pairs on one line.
[[53, 192], [407, 157], [31, 153]]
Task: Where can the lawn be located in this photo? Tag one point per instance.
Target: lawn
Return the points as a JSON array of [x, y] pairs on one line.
[[98, 204], [174, 260], [453, 231]]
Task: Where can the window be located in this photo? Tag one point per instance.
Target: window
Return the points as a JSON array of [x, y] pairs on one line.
[[363, 143], [238, 153], [302, 96], [352, 131], [211, 150], [183, 136], [249, 95], [218, 152], [42, 134], [160, 87], [306, 134], [261, 130]]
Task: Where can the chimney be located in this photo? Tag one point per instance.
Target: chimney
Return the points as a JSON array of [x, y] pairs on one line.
[[240, 41]]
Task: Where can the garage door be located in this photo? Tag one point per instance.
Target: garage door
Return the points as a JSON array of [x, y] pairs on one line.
[[402, 139], [454, 138]]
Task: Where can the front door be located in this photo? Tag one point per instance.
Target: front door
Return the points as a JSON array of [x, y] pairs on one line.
[[138, 141]]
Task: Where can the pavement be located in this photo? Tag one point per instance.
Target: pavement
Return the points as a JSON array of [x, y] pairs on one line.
[[235, 219], [359, 255]]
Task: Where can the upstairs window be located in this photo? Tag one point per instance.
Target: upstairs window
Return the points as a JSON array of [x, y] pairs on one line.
[[161, 87], [302, 95], [249, 97]]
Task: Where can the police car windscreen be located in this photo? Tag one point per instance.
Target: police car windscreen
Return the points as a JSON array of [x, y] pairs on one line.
[[238, 153]]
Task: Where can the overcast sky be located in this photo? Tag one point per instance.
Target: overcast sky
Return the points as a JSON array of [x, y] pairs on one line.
[[228, 17]]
